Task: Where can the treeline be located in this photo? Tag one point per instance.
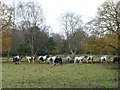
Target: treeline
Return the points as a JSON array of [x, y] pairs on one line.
[[25, 32]]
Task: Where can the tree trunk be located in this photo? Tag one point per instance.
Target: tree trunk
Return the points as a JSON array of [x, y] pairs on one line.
[[35, 52], [73, 53], [8, 56], [71, 49], [32, 48]]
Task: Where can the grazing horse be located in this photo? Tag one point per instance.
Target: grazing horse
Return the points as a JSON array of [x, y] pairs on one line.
[[116, 59], [43, 58], [87, 58], [68, 58], [57, 60], [103, 59], [17, 59], [30, 59], [79, 59], [49, 60]]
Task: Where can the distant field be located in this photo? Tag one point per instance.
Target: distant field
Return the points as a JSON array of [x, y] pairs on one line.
[[37, 75]]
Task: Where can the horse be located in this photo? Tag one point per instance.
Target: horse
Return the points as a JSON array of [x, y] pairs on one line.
[[49, 60], [29, 59], [103, 59], [79, 59], [43, 58], [87, 58], [54, 60], [68, 58], [57, 60], [17, 59], [116, 59]]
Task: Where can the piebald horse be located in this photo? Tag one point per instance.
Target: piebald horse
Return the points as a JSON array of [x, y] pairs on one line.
[[17, 59], [86, 58], [30, 59], [103, 59], [43, 58]]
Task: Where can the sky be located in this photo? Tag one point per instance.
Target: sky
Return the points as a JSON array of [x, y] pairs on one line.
[[53, 9]]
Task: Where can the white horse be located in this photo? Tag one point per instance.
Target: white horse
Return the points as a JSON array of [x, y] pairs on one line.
[[79, 59], [103, 59], [30, 59]]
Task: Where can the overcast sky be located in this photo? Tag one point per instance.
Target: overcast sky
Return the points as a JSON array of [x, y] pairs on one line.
[[54, 8]]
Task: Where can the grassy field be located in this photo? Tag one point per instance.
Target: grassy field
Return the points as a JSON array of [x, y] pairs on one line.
[[37, 75]]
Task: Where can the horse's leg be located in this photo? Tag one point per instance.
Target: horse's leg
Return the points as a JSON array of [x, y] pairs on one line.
[[101, 60], [40, 61], [44, 61], [105, 61], [33, 60], [18, 62], [87, 60], [28, 61], [92, 60], [14, 62], [74, 61], [51, 61], [80, 61], [54, 64]]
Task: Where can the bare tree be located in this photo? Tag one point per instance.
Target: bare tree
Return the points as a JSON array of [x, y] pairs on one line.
[[31, 16], [107, 21], [5, 15], [71, 23]]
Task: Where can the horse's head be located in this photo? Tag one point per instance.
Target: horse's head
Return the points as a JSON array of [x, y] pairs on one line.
[[47, 56], [21, 57]]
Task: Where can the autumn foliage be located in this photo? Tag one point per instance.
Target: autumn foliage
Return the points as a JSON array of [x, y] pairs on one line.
[[6, 41]]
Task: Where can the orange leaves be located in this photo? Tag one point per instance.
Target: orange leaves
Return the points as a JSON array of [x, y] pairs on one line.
[[6, 41]]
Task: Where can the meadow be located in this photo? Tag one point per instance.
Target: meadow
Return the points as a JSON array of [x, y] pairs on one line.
[[35, 75]]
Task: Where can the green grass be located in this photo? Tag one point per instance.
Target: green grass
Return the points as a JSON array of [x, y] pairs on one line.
[[76, 75]]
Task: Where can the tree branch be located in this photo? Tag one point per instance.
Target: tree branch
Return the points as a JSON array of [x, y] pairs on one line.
[[113, 47]]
